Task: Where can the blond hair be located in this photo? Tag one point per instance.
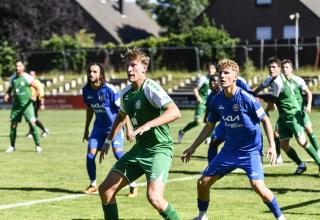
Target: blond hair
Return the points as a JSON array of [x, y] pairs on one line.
[[135, 54], [227, 63]]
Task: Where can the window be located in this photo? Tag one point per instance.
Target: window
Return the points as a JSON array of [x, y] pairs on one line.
[[264, 33], [289, 32], [263, 2]]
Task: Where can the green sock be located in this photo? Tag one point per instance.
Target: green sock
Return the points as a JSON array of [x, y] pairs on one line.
[[35, 134], [314, 141], [190, 126], [110, 211], [292, 154], [170, 213], [277, 142], [313, 153], [13, 135]]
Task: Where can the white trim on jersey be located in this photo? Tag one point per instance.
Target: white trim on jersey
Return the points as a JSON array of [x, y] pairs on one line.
[[302, 84], [114, 89], [201, 81], [125, 90], [155, 94]]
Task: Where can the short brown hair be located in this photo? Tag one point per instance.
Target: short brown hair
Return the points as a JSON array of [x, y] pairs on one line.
[[274, 60], [228, 63], [136, 54], [287, 61]]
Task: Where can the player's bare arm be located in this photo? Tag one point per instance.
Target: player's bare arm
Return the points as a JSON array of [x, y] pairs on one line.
[[34, 85], [89, 115], [118, 124], [271, 152], [197, 95], [309, 99], [7, 95], [207, 129], [170, 114]]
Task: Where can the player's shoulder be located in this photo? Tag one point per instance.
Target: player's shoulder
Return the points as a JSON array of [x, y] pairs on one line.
[[246, 96], [110, 87], [297, 78], [126, 90]]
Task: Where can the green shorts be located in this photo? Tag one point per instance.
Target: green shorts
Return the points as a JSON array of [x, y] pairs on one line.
[[138, 161], [291, 126], [18, 111], [199, 111]]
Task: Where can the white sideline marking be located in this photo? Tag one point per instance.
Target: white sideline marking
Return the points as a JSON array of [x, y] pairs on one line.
[[69, 197]]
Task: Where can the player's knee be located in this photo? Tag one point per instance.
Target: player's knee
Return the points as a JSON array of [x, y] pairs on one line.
[[155, 199], [203, 184], [258, 186], [91, 156]]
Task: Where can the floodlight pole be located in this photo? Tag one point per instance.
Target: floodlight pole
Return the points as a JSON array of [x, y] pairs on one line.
[[296, 16]]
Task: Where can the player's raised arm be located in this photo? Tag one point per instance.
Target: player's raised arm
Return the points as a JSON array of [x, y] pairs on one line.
[[207, 129], [271, 152], [117, 125]]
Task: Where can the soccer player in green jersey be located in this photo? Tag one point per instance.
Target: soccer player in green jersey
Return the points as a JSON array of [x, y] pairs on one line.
[[22, 104], [290, 121], [299, 87], [201, 92], [149, 109]]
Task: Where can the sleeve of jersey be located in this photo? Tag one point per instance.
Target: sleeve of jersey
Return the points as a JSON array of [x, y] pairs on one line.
[[258, 110], [201, 81], [213, 113], [276, 88], [240, 83], [115, 97], [267, 82], [29, 78], [302, 84], [156, 95]]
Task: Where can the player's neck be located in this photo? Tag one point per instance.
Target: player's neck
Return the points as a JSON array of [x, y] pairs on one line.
[[95, 85], [137, 84], [230, 90]]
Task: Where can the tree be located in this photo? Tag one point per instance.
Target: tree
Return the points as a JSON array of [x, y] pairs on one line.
[[27, 22], [178, 15]]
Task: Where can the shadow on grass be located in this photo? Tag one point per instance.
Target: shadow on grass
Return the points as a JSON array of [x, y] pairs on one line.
[[185, 172], [54, 190], [119, 218], [278, 190], [194, 157]]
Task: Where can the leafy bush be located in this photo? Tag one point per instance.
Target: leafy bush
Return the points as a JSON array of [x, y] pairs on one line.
[[73, 54], [7, 58]]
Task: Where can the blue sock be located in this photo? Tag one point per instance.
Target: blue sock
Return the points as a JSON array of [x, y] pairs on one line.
[[118, 154], [274, 207], [91, 166], [203, 205]]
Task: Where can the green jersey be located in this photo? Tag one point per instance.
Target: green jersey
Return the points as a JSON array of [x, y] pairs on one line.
[[203, 88], [287, 103], [21, 89], [299, 86], [144, 105]]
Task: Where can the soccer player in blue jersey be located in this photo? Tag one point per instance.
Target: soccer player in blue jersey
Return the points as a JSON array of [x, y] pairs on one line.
[[218, 134], [241, 113], [103, 100]]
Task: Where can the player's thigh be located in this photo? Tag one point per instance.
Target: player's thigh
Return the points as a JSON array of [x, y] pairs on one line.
[[129, 166], [114, 182], [252, 165], [284, 130], [117, 143], [156, 165], [199, 111], [16, 115], [221, 165], [29, 113]]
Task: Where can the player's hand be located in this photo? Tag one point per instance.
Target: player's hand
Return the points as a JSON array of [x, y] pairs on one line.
[[6, 98], [129, 134], [187, 154], [104, 151], [42, 107], [272, 155], [307, 109], [140, 131], [200, 100], [85, 136]]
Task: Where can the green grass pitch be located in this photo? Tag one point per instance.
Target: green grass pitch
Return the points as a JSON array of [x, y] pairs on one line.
[[59, 172]]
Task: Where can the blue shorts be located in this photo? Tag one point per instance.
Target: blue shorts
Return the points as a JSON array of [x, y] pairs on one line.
[[219, 132], [226, 161], [97, 139]]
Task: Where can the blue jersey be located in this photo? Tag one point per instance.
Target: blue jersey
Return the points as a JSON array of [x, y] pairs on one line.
[[105, 102], [240, 115]]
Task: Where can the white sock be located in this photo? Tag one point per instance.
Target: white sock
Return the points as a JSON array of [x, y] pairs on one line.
[[93, 183], [201, 213], [281, 217], [133, 184]]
